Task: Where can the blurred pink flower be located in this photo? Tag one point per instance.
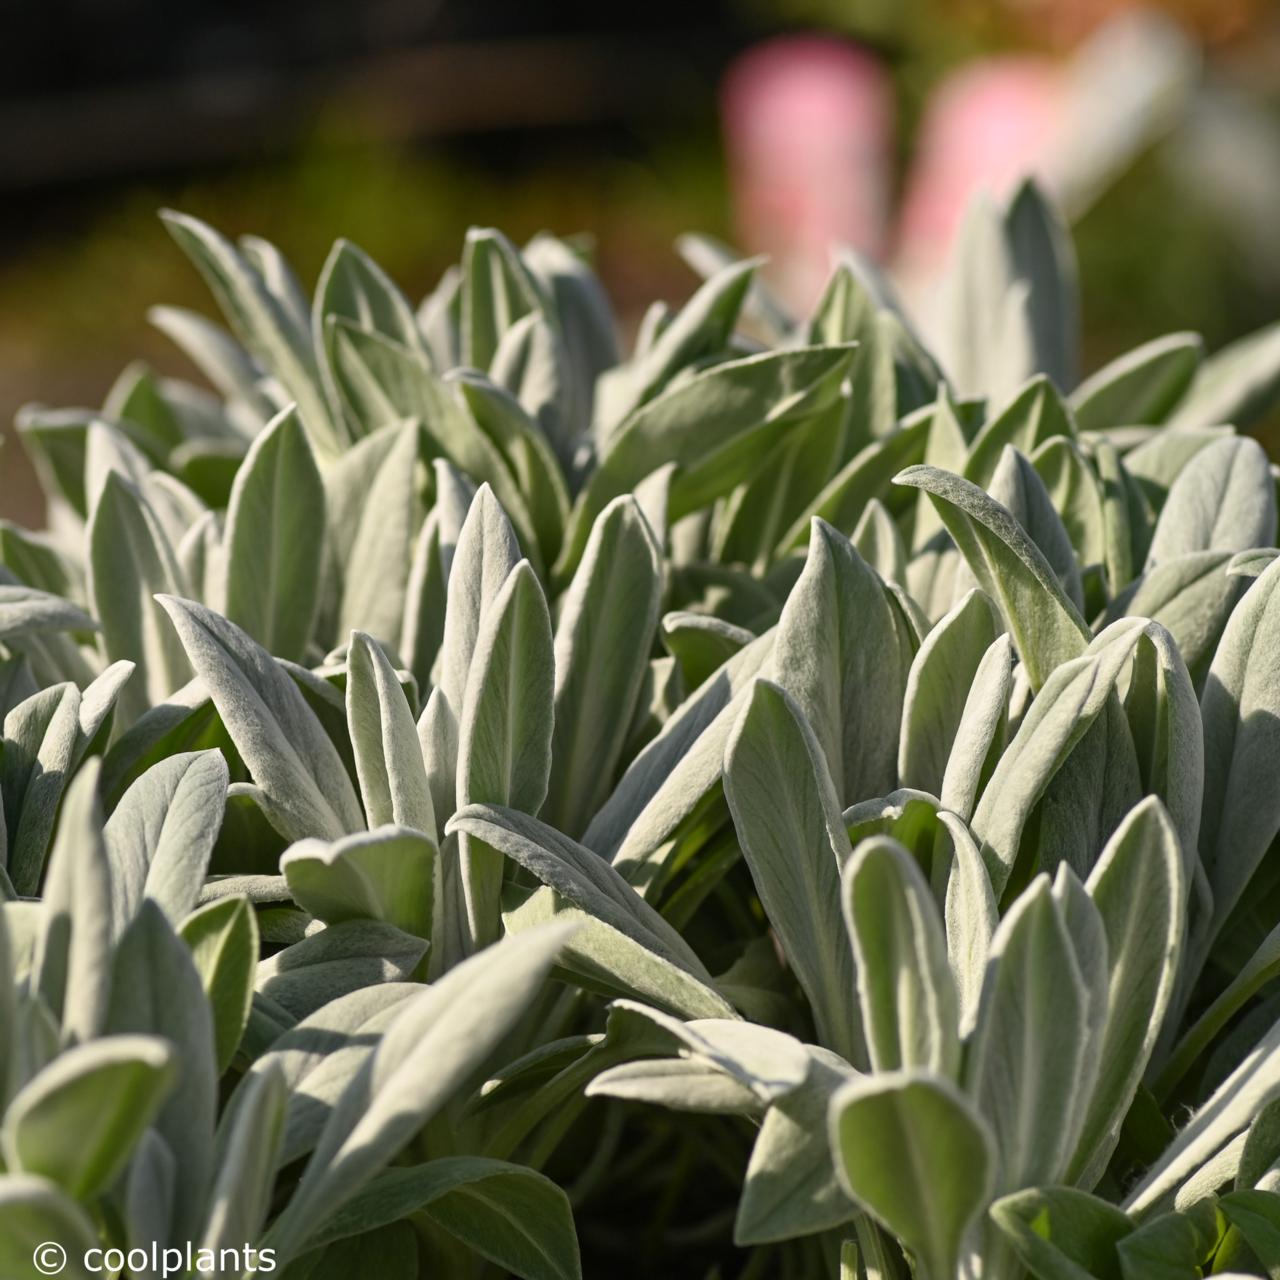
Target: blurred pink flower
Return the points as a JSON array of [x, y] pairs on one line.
[[809, 126], [986, 127]]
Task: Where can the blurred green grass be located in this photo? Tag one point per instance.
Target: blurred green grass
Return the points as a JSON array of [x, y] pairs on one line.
[[73, 301]]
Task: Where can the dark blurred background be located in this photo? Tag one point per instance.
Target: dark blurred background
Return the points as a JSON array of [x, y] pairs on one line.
[[777, 124]]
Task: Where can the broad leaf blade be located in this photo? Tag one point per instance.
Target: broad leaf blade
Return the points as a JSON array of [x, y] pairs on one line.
[[911, 1150], [1046, 626], [788, 822], [291, 758], [275, 540]]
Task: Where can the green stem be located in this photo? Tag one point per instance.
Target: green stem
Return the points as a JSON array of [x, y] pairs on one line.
[[1262, 967]]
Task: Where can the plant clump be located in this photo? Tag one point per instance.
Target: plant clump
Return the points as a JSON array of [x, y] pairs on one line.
[[790, 800]]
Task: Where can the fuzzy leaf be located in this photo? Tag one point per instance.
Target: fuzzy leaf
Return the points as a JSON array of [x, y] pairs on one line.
[[910, 1012], [1072, 700], [435, 1041], [76, 1123], [511, 1215], [248, 1140], [1139, 887], [1237, 384], [35, 1214], [265, 327], [1225, 502], [788, 822], [336, 960], [579, 876], [1240, 708], [910, 1149], [1045, 625], [791, 1187], [607, 622], [161, 835], [41, 739], [292, 760], [843, 652], [1141, 386], [741, 407], [1063, 1234], [72, 964], [223, 937], [275, 540], [130, 562], [385, 874], [1030, 1061], [156, 990], [384, 740], [375, 570], [942, 679], [505, 734]]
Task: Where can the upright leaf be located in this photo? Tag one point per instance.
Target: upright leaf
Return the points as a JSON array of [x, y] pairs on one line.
[[376, 570], [1030, 1061], [72, 965], [353, 286], [843, 652], [265, 327], [498, 290], [792, 1187], [38, 1221], [608, 619], [1062, 713], [741, 407], [275, 540], [910, 1149], [1240, 708], [486, 553], [161, 835], [223, 937], [1017, 486], [156, 991], [296, 766], [1043, 259], [1225, 502], [700, 329], [939, 686], [505, 734], [1139, 886], [1237, 384], [909, 1008], [249, 1140], [42, 736], [676, 775], [787, 818], [384, 740], [1045, 625], [1034, 415], [1227, 1112], [131, 562]]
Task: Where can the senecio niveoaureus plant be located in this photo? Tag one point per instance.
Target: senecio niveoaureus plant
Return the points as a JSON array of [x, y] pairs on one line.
[[779, 804]]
